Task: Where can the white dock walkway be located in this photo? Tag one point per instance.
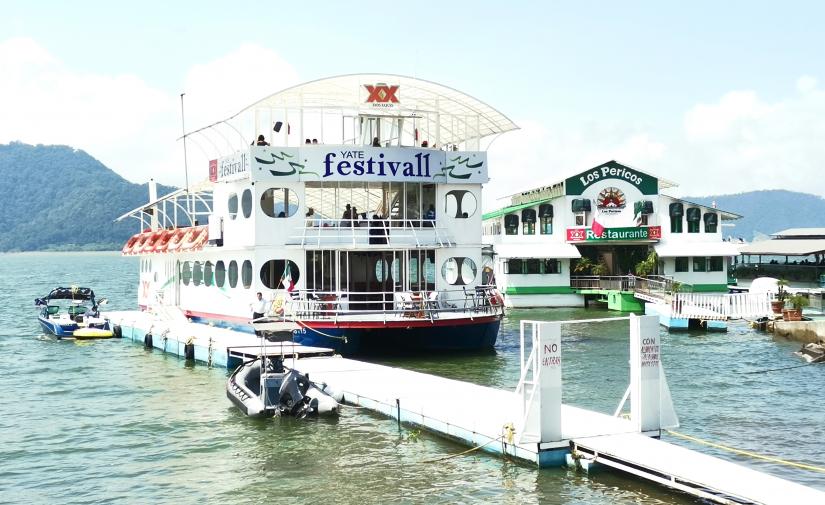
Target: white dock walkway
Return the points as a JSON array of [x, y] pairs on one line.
[[693, 472], [466, 412]]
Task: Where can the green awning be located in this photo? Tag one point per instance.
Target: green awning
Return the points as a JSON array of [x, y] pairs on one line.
[[514, 208]]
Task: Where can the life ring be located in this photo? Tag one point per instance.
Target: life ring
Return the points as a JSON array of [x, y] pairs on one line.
[[127, 248], [277, 307], [180, 237], [495, 298], [163, 241], [139, 243], [149, 244], [195, 240]]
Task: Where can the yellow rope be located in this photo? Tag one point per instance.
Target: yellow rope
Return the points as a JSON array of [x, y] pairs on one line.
[[747, 453], [468, 451]]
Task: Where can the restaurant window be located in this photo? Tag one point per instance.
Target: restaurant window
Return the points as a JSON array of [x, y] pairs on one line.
[[511, 224], [716, 264], [693, 219], [700, 264], [550, 266], [682, 264], [279, 202], [532, 266], [711, 222], [676, 211], [513, 266], [528, 222], [232, 206], [546, 219]]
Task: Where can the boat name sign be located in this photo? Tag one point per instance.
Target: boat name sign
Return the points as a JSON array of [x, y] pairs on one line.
[[345, 163], [230, 168]]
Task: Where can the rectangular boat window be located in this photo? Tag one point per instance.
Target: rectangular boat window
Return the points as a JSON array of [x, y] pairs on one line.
[[532, 266], [511, 224], [716, 264], [682, 264], [700, 264], [711, 222]]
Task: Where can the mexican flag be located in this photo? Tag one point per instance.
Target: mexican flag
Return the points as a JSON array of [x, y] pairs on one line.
[[286, 278]]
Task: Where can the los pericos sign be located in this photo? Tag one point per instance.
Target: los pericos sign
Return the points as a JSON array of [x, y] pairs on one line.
[[648, 185]]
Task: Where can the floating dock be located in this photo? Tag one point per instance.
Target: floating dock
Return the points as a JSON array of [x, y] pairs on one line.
[[530, 424]]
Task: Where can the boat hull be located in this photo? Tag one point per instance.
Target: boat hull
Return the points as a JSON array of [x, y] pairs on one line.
[[58, 330], [353, 338]]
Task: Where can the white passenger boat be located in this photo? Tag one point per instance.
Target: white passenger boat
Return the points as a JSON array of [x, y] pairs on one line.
[[356, 212]]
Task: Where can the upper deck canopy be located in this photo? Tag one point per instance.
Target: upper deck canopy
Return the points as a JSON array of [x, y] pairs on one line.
[[397, 109]]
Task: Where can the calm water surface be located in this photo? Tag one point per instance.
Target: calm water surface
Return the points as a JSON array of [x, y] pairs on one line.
[[108, 421]]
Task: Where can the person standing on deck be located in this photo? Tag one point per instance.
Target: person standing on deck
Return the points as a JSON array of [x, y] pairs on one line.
[[258, 308]]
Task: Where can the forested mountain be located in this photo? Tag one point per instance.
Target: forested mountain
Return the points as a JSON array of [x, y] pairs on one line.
[[57, 197], [768, 211]]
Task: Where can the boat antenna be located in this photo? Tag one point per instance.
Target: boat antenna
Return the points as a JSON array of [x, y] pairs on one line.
[[185, 161]]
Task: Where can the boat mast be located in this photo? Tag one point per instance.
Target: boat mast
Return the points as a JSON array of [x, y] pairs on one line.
[[185, 162]]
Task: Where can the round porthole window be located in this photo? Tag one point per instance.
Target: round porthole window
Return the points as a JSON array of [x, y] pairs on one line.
[[459, 271], [246, 203]]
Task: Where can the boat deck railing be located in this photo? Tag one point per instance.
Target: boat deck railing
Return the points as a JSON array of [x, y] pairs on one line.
[[357, 232], [384, 306]]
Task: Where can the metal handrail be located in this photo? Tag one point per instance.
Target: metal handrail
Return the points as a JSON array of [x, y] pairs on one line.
[[368, 232]]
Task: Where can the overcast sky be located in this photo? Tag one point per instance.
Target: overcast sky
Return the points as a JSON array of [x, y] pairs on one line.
[[718, 97]]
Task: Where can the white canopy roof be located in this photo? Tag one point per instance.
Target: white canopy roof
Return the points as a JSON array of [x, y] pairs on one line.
[[556, 250], [784, 247], [670, 250], [415, 96], [801, 232]]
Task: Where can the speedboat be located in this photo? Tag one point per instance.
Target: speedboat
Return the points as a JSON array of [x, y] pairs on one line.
[[73, 313]]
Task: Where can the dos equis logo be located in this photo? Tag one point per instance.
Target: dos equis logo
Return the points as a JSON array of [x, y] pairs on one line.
[[382, 95], [611, 198]]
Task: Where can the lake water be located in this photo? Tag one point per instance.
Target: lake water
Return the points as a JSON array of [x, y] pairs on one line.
[[108, 421]]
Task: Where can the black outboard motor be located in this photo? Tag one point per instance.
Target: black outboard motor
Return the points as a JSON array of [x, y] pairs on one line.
[[293, 394]]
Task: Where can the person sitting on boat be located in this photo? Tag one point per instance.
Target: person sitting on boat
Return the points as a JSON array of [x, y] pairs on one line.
[[311, 218], [262, 141], [307, 141], [259, 307], [376, 142], [346, 218], [355, 222], [429, 216], [314, 141]]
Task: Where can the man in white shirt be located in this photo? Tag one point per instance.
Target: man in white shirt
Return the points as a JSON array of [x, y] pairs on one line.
[[259, 307]]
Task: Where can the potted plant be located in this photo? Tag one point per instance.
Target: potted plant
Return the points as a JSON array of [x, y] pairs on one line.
[[779, 302], [797, 301]]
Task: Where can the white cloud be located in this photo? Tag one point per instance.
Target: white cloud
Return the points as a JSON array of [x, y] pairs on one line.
[[540, 155], [122, 120], [743, 143]]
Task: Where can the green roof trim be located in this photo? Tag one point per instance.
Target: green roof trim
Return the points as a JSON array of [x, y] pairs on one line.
[[513, 208]]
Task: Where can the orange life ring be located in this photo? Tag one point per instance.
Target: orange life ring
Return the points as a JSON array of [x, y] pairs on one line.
[[196, 239], [495, 298], [180, 237], [127, 248], [139, 243], [149, 244], [163, 241]]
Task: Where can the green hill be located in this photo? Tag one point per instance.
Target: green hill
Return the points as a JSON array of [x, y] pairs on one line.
[[57, 197], [768, 211]]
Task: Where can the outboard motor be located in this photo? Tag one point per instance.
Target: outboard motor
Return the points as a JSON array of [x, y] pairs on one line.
[[293, 394], [300, 397]]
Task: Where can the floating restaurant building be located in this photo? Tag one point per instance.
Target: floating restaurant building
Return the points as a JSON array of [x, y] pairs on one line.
[[555, 244]]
